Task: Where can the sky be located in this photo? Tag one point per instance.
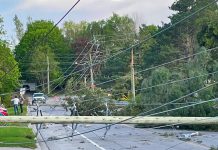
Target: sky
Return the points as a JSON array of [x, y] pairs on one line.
[[143, 11]]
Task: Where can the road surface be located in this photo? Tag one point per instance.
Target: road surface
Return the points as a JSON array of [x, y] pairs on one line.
[[119, 137]]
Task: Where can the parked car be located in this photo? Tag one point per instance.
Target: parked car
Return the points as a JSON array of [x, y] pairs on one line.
[[3, 111], [39, 98]]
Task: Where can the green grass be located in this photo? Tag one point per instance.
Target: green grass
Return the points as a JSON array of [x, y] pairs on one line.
[[11, 111], [17, 137]]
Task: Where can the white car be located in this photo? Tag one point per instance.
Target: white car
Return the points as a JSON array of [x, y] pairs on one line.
[[38, 98]]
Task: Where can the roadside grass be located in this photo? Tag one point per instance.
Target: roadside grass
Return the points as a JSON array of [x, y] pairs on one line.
[[11, 113], [17, 137], [16, 134]]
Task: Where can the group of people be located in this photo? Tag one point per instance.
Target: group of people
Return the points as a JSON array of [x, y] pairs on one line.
[[18, 102]]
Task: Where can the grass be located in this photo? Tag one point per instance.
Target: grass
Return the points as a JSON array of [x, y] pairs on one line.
[[11, 113], [17, 137], [17, 134]]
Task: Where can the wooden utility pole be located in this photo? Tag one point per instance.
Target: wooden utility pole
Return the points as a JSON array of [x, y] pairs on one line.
[[91, 69], [85, 82], [132, 76], [48, 76], [111, 119]]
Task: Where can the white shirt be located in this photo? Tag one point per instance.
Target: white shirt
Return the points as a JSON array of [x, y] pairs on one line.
[[16, 101]]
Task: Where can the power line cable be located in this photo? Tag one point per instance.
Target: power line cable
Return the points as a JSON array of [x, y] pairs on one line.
[[43, 38], [85, 132], [163, 84], [163, 64], [122, 121], [156, 34], [75, 67], [143, 113], [82, 74], [116, 123]]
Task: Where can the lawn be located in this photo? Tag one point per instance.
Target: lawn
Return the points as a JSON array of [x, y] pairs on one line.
[[16, 134], [17, 137], [11, 111]]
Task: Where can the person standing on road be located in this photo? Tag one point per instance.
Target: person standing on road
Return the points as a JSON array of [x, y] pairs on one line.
[[21, 103], [15, 101]]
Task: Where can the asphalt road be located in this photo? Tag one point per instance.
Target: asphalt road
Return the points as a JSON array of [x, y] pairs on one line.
[[119, 137]]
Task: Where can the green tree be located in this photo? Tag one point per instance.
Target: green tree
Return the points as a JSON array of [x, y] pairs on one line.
[[208, 35], [165, 93], [184, 34], [39, 64], [35, 37], [9, 72], [73, 31], [2, 31], [19, 27]]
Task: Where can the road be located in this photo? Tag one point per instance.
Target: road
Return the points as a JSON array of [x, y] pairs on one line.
[[119, 137]]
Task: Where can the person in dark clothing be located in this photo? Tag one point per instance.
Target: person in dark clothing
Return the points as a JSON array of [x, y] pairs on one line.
[[21, 103]]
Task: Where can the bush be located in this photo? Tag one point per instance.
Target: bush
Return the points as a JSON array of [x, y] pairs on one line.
[[6, 100]]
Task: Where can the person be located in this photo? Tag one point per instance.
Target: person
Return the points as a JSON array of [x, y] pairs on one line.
[[21, 103], [15, 101]]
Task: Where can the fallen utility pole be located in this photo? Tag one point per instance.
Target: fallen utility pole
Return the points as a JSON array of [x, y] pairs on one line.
[[110, 120]]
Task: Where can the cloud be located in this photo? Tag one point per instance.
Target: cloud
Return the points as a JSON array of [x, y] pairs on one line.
[[147, 11]]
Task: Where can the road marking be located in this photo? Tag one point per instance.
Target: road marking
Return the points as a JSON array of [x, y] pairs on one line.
[[92, 142]]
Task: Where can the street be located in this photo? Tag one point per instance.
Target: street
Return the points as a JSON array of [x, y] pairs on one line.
[[119, 137]]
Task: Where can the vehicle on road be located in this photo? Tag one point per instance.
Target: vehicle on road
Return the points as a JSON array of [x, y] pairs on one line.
[[29, 87], [3, 111], [38, 98]]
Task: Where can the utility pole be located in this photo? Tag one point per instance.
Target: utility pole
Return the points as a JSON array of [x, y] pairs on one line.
[[48, 80], [132, 76], [91, 69], [155, 120], [85, 82]]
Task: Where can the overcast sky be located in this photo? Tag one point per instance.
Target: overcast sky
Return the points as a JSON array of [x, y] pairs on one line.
[[147, 11]]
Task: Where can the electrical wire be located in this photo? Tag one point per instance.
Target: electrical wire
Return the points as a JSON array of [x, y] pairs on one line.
[[163, 84], [152, 37], [71, 66], [167, 63], [77, 66], [156, 34], [85, 132], [43, 38]]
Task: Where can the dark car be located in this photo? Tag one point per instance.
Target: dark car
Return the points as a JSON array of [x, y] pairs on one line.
[[3, 111], [38, 98]]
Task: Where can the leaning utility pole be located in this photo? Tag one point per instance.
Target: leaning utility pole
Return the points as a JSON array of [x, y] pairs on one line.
[[48, 80], [132, 76]]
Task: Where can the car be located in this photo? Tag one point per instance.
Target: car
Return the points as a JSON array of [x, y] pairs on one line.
[[3, 111], [38, 98]]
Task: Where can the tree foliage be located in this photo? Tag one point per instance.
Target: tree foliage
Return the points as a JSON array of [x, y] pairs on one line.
[[9, 71], [19, 27], [33, 39]]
